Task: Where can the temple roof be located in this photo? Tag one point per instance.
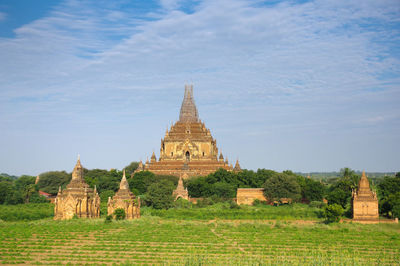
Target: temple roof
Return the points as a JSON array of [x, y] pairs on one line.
[[188, 108]]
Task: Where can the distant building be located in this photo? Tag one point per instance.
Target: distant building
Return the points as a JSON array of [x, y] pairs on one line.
[[180, 191], [248, 195], [365, 202], [78, 199], [124, 199], [188, 147]]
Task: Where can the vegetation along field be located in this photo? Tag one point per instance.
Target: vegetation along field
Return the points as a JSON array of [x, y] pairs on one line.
[[157, 240]]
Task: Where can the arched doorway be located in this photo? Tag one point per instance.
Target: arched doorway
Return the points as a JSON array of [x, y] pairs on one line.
[[187, 154]]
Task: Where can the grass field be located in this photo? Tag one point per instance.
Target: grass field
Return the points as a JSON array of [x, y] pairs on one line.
[[154, 240]]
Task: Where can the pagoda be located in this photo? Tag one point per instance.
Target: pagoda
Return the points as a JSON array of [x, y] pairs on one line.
[[124, 199], [180, 191], [78, 199], [365, 203], [187, 147]]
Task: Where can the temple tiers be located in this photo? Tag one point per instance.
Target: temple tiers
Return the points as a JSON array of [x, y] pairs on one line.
[[365, 202], [77, 199], [188, 147], [124, 199]]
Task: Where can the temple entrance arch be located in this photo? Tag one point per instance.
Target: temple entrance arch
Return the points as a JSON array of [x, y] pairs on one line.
[[187, 154]]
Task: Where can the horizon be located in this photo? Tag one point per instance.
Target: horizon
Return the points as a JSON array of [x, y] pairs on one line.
[[306, 86]]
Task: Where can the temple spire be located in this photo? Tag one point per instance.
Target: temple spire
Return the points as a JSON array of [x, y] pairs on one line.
[[188, 111], [77, 173], [124, 183]]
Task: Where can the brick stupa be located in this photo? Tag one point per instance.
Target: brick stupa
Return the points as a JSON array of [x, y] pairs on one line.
[[78, 199], [188, 147], [365, 203], [124, 199], [180, 191]]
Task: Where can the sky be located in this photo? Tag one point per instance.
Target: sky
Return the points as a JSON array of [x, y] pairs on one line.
[[300, 85]]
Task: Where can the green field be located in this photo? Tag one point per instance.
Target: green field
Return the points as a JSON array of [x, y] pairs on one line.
[[154, 240]]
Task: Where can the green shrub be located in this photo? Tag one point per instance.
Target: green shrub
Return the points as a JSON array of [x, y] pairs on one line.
[[119, 214], [108, 219], [332, 213], [317, 204]]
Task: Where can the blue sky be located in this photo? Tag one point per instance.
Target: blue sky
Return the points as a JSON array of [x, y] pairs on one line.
[[300, 85]]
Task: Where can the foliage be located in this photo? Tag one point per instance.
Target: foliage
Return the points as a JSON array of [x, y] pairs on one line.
[[317, 204], [50, 181], [332, 213], [108, 219], [119, 214], [105, 194], [37, 198], [340, 191], [182, 204], [311, 190], [282, 186], [141, 181], [8, 193], [131, 168], [389, 198], [159, 194], [230, 211], [26, 212]]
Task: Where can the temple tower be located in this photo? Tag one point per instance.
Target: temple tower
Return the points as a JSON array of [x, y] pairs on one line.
[[124, 199], [187, 147], [365, 202], [78, 199]]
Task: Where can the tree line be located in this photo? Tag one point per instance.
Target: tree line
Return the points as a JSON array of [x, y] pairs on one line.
[[156, 191]]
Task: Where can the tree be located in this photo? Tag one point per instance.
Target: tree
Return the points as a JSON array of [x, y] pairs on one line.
[[159, 195], [105, 194], [129, 169], [50, 181], [282, 186], [332, 213], [389, 198], [313, 190]]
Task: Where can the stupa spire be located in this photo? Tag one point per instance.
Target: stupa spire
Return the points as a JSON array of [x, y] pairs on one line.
[[188, 108], [77, 173], [124, 183]]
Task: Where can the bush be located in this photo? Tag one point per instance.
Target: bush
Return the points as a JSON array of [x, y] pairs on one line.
[[108, 219], [119, 214], [317, 204], [182, 204], [332, 213], [233, 205], [258, 202]]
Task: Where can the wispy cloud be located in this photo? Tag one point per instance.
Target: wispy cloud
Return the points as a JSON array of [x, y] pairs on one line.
[[253, 65]]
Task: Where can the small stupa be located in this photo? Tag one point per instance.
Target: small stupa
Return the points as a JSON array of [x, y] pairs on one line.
[[124, 199], [180, 191], [78, 199], [365, 202]]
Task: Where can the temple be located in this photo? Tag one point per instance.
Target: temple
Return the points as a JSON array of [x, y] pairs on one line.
[[180, 191], [365, 203], [124, 199], [188, 149], [78, 199]]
